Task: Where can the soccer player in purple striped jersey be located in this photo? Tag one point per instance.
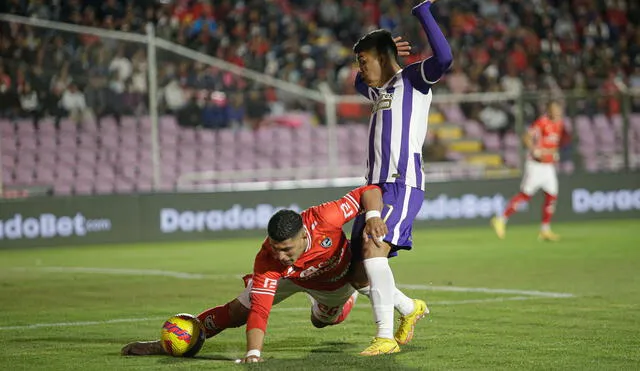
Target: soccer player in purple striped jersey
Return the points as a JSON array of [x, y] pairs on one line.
[[401, 99]]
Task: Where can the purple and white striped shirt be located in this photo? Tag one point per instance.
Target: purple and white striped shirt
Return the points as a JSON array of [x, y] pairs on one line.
[[398, 124], [397, 130]]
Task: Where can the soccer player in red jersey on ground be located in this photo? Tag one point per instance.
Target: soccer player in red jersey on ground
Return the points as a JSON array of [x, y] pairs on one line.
[[305, 252], [542, 141]]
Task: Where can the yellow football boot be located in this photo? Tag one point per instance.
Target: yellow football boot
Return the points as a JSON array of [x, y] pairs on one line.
[[381, 346], [404, 333], [499, 227]]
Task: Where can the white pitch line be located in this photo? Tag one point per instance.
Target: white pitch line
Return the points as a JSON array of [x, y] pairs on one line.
[[85, 323], [198, 276], [542, 294], [291, 309], [129, 272]]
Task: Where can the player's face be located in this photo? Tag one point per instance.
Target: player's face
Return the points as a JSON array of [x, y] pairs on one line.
[[288, 251], [555, 111], [370, 67]]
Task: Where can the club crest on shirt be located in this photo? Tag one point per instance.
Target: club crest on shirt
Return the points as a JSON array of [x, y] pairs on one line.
[[326, 243]]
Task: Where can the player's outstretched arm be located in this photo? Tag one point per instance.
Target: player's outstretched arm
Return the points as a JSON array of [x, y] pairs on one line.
[[434, 67]]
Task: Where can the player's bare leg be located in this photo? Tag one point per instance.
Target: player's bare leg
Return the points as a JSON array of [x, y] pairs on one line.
[[215, 320], [547, 212], [499, 223]]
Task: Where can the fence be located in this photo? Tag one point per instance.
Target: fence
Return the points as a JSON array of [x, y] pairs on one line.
[[160, 117]]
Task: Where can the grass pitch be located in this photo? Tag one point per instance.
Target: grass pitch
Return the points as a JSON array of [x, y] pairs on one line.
[[512, 304]]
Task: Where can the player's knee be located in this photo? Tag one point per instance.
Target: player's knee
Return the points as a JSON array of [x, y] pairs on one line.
[[371, 250]]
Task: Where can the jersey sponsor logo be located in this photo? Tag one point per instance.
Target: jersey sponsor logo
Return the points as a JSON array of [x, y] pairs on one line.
[[326, 243], [584, 201], [323, 267], [383, 102]]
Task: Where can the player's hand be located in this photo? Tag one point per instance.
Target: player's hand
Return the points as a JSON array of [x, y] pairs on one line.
[[251, 359], [404, 48], [375, 229]]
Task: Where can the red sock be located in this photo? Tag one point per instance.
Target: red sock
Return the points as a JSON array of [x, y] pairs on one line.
[[549, 208], [215, 319], [346, 309], [513, 204]]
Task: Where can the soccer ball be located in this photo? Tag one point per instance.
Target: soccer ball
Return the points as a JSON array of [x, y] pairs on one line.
[[182, 335]]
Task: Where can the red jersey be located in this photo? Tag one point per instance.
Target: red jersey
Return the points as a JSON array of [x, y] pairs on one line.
[[322, 266], [546, 135]]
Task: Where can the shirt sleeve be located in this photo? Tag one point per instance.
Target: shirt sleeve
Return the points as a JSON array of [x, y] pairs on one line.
[[427, 72], [265, 283], [339, 212]]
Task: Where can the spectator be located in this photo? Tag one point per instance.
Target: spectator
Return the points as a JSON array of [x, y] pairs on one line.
[[256, 109], [174, 96], [236, 111], [29, 104], [73, 105]]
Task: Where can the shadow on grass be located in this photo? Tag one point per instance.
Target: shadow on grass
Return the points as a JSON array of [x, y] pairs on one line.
[[335, 356]]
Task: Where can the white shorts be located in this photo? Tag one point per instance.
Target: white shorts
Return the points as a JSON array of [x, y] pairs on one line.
[[539, 175], [327, 305]]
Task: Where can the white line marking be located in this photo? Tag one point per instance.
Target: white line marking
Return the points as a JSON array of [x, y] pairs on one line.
[[86, 323], [129, 272], [291, 309], [542, 294], [198, 276]]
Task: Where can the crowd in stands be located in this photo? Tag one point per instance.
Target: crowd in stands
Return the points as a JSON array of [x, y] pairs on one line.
[[499, 45]]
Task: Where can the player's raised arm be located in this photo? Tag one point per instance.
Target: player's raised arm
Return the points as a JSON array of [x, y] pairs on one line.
[[434, 67]]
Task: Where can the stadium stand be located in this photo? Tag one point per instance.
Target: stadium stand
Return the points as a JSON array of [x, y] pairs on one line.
[[73, 108]]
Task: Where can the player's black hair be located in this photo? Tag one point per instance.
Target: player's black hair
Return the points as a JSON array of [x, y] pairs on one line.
[[284, 224], [380, 40]]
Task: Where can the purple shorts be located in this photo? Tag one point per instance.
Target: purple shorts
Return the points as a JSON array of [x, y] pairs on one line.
[[401, 205]]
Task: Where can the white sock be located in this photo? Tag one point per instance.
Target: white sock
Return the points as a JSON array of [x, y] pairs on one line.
[[381, 294], [545, 227], [403, 304]]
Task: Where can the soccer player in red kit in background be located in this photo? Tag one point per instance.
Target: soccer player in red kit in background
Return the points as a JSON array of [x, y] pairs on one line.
[[305, 252], [542, 141]]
